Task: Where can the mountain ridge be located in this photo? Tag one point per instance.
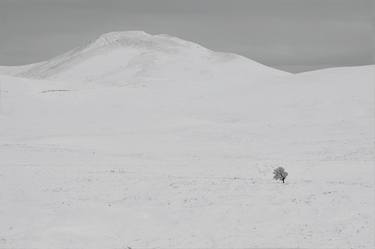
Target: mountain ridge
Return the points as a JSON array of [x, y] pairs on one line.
[[131, 56]]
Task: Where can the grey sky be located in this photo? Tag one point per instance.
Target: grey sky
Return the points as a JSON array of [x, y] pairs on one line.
[[289, 34]]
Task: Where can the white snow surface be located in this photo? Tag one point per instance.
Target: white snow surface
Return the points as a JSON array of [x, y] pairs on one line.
[[134, 57], [149, 141]]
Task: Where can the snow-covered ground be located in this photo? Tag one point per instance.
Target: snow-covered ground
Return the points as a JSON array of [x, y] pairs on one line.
[[145, 141]]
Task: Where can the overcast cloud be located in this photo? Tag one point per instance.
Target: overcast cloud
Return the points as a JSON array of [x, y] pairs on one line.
[[284, 33]]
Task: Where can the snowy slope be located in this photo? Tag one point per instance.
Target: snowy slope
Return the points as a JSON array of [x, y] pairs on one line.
[[162, 158], [281, 116], [134, 57]]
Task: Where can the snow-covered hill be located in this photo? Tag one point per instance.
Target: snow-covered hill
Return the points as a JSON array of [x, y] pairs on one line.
[[171, 145], [135, 57]]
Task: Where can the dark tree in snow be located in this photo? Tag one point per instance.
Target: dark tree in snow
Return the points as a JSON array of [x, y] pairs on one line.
[[280, 174]]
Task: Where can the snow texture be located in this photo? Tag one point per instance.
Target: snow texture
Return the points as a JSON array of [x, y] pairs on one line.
[[148, 141]]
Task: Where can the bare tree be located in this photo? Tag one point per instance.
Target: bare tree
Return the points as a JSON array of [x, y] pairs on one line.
[[280, 174]]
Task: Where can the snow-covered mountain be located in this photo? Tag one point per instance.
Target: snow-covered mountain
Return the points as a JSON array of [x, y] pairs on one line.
[[141, 141], [135, 56]]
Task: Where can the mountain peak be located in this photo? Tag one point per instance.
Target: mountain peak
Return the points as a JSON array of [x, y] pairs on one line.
[[141, 39], [112, 37], [136, 56]]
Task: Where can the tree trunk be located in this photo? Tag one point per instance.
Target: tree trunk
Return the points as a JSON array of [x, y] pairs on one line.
[[283, 180]]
